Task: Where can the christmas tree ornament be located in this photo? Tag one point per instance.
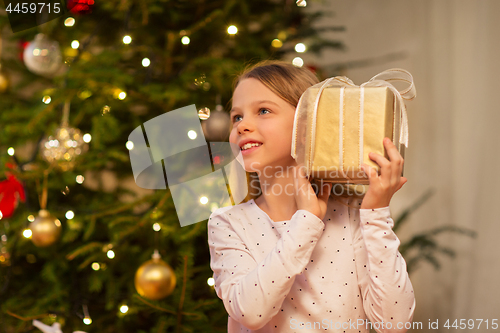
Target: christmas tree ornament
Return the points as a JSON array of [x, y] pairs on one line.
[[11, 191], [4, 81], [42, 56], [204, 113], [80, 7], [216, 128], [46, 229], [155, 279], [65, 145], [4, 77]]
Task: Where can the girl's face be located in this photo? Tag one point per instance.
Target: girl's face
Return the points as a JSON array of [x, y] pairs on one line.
[[260, 116]]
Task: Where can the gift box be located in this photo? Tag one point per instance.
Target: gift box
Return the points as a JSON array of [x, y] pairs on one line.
[[338, 123]]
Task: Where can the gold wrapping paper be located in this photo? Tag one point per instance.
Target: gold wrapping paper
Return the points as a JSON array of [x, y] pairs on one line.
[[337, 124], [378, 119]]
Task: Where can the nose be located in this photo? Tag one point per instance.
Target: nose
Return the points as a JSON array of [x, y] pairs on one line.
[[245, 125]]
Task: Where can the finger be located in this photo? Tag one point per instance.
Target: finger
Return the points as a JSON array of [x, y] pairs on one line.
[[370, 172], [392, 150], [403, 181], [383, 163]]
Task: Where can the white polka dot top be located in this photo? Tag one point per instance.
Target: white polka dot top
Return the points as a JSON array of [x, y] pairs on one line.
[[310, 274]]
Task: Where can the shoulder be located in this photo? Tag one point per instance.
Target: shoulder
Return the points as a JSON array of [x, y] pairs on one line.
[[229, 212]]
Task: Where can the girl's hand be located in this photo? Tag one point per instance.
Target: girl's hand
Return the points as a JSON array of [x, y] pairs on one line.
[[306, 198], [383, 187]]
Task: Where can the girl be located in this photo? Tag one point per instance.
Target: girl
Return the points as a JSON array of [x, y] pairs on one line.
[[287, 259]]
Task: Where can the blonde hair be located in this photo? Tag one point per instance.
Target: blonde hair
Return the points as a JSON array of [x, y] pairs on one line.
[[285, 80]]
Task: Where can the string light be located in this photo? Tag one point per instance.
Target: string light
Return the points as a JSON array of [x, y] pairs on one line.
[[96, 266], [124, 309], [86, 319], [46, 99], [69, 22], [301, 3], [204, 200], [129, 145], [80, 179], [127, 39], [192, 134], [27, 233], [11, 151], [122, 95], [300, 47], [156, 227], [211, 281], [75, 44], [110, 254], [31, 218], [146, 62], [232, 30], [87, 137], [69, 214], [185, 40], [276, 43], [298, 62]]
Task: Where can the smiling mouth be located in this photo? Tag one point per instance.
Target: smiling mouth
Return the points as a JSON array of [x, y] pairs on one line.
[[249, 146]]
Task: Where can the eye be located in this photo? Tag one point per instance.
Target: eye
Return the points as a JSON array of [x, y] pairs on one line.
[[235, 117], [264, 109]]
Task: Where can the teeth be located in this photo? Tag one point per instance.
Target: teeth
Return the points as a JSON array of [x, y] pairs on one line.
[[250, 145]]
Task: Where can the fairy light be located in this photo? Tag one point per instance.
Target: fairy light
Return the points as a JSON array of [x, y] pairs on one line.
[[127, 39], [11, 151], [211, 281], [298, 62], [86, 319], [192, 134], [300, 47], [122, 95], [31, 218], [146, 62], [69, 214], [80, 179], [129, 145], [232, 30], [27, 233], [276, 43], [124, 309], [110, 254], [46, 99], [69, 22], [204, 200], [96, 266], [75, 44], [87, 137], [185, 40], [156, 227]]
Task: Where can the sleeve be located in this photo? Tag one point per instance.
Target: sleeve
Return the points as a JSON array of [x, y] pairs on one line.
[[253, 292], [388, 297]]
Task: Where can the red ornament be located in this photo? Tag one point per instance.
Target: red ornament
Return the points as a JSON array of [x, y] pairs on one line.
[[11, 191], [22, 45], [80, 7]]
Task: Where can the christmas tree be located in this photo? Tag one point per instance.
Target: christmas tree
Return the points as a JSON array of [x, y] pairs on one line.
[[78, 235]]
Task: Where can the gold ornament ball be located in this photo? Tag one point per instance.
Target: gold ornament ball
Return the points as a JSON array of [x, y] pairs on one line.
[[4, 81], [155, 279], [45, 229]]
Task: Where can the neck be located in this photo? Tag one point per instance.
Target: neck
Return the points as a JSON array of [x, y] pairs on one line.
[[277, 199]]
